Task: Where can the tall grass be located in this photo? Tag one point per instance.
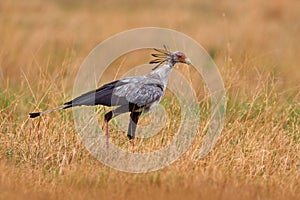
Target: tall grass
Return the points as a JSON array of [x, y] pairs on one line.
[[255, 47]]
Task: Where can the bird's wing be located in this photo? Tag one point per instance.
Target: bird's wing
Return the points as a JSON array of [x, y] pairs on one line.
[[141, 91], [100, 96]]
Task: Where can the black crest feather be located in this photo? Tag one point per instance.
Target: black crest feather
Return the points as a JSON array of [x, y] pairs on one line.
[[160, 57]]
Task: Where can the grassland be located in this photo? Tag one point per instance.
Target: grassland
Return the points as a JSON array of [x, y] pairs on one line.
[[254, 44]]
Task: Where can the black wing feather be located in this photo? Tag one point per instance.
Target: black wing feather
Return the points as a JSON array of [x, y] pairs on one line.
[[100, 96], [121, 92]]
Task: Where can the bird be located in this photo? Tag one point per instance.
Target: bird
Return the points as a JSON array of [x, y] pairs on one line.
[[134, 94]]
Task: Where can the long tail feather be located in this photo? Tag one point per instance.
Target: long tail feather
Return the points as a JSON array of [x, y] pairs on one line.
[[37, 114]]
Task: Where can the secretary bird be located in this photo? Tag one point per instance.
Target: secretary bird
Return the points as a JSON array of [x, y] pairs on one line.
[[136, 94]]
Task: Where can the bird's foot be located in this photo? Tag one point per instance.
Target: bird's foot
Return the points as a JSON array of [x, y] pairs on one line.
[[132, 145]]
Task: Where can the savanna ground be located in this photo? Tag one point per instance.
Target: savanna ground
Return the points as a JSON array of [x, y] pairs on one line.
[[256, 47]]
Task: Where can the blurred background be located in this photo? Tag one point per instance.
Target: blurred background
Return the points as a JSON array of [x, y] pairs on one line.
[[47, 34], [254, 43]]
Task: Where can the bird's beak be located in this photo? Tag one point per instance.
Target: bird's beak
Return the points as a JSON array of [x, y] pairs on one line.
[[188, 61]]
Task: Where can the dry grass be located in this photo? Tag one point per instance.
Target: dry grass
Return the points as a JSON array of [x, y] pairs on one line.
[[256, 48]]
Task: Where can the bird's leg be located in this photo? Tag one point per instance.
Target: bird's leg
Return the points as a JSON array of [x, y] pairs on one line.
[[134, 118], [108, 116], [131, 140], [107, 134]]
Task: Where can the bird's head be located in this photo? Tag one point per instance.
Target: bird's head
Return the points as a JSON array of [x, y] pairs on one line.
[[179, 57], [164, 55]]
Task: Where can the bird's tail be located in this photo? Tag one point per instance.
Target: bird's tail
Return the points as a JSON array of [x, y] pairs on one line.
[[37, 114]]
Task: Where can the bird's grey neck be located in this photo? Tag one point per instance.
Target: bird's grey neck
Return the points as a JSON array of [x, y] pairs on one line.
[[163, 72]]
